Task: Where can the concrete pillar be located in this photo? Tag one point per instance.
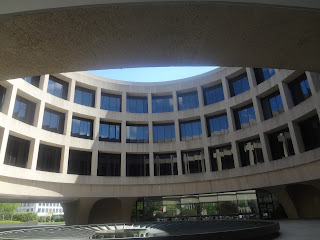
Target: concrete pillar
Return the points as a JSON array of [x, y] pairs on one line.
[[266, 150], [44, 79], [225, 87], [251, 78], [68, 123], [94, 162], [175, 101], [296, 137], [33, 154], [123, 170], [257, 109], [236, 155], [218, 156], [150, 132], [4, 143], [64, 159], [285, 96], [71, 90], [98, 98], [96, 126], [124, 102], [38, 116], [231, 122], [179, 162], [200, 96], [9, 100]]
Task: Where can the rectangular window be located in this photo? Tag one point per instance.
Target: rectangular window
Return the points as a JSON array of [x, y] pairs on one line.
[[137, 133], [281, 144], [310, 131], [17, 152], [193, 162], [162, 104], [263, 74], [49, 158], [137, 165], [299, 89], [109, 164], [190, 130], [239, 84], [53, 121], [217, 125], [221, 158], [213, 94], [109, 132], [84, 96], [165, 164], [24, 110], [82, 128], [35, 81], [58, 87], [137, 104], [250, 152], [245, 117], [79, 162], [2, 96], [164, 133], [188, 100], [110, 102], [272, 105]]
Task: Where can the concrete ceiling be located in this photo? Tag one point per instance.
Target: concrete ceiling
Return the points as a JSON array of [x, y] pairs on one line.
[[158, 34]]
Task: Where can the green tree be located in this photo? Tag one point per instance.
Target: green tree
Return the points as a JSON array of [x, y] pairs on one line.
[[8, 209]]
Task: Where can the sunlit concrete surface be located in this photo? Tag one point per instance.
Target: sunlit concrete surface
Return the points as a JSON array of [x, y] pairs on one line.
[[299, 229]]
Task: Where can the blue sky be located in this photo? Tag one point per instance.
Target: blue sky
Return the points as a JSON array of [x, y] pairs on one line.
[[152, 74]]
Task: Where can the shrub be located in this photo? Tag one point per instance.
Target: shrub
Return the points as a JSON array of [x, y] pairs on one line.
[[24, 216], [58, 219]]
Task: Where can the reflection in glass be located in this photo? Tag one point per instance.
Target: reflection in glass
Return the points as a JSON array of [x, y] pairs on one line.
[[245, 117], [239, 84], [213, 94], [109, 164], [57, 87], [272, 105], [164, 133], [281, 144], [137, 165], [187, 100], [162, 104], [109, 132], [82, 128], [24, 110], [251, 152], [137, 133], [221, 158], [165, 164], [137, 104], [299, 89], [193, 162], [190, 130], [217, 125], [84, 96], [53, 121], [263, 74]]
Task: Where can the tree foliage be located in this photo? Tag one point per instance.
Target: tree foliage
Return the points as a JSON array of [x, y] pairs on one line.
[[8, 209]]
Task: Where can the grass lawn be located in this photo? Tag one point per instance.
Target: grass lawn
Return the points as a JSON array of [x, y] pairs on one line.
[[51, 223], [8, 221]]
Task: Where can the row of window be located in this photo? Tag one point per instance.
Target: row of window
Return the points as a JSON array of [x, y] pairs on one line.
[[250, 152]]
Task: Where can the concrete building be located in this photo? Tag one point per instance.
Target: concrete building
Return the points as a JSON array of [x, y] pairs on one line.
[[42, 209], [98, 145]]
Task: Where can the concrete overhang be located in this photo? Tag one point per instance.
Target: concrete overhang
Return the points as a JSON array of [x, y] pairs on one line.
[[38, 37]]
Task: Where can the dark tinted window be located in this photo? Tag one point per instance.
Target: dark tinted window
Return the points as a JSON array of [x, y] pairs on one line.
[[250, 152], [109, 164], [79, 162], [193, 162], [190, 130], [53, 121], [245, 117], [188, 100], [137, 134], [2, 96], [49, 158], [221, 158], [164, 133], [137, 104], [109, 132], [299, 89], [239, 84], [58, 87], [24, 110], [84, 96], [213, 94], [82, 128], [162, 104], [217, 125], [165, 164], [263, 74], [281, 144], [272, 105], [310, 131], [17, 152], [137, 165], [35, 81], [110, 102]]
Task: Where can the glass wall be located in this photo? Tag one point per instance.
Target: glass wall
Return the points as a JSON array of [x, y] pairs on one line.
[[299, 89], [82, 128], [35, 81], [137, 104], [263, 74], [164, 133], [53, 121], [17, 152], [272, 105], [109, 132], [58, 87], [188, 100], [79, 162], [281, 144], [137, 133], [239, 84], [137, 165], [109, 164], [162, 104], [217, 125], [193, 162], [310, 131], [2, 96], [84, 96], [250, 152], [49, 158], [221, 158], [213, 94], [24, 110], [110, 102], [190, 130], [165, 164], [244, 117]]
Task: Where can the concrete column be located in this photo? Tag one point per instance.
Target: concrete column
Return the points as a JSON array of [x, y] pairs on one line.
[[151, 164], [313, 81], [68, 123], [44, 79], [175, 101], [266, 150], [236, 155], [257, 109], [33, 154], [4, 143], [64, 159], [231, 122], [149, 101], [71, 90], [226, 89], [217, 154], [94, 162], [296, 137], [96, 126], [124, 102], [38, 117], [285, 96], [200, 96], [251, 78], [98, 98], [9, 100], [123, 172], [207, 158], [179, 162]]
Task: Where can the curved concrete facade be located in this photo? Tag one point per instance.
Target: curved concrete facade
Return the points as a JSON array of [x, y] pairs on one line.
[[25, 183]]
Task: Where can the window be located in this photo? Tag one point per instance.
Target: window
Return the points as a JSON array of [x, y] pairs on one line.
[[193, 162], [110, 102], [49, 158], [53, 121], [188, 100], [82, 128], [310, 131], [213, 94], [263, 74], [137, 104], [24, 110], [250, 152], [58, 87], [137, 133], [17, 152], [299, 89], [239, 84], [272, 105], [245, 117], [84, 96], [109, 164], [164, 133], [162, 104], [137, 165], [79, 162], [217, 125], [109, 132], [165, 164], [221, 158], [190, 130], [281, 144], [2, 96], [35, 81]]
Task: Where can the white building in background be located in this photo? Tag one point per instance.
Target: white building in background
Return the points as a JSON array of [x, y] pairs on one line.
[[42, 209]]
